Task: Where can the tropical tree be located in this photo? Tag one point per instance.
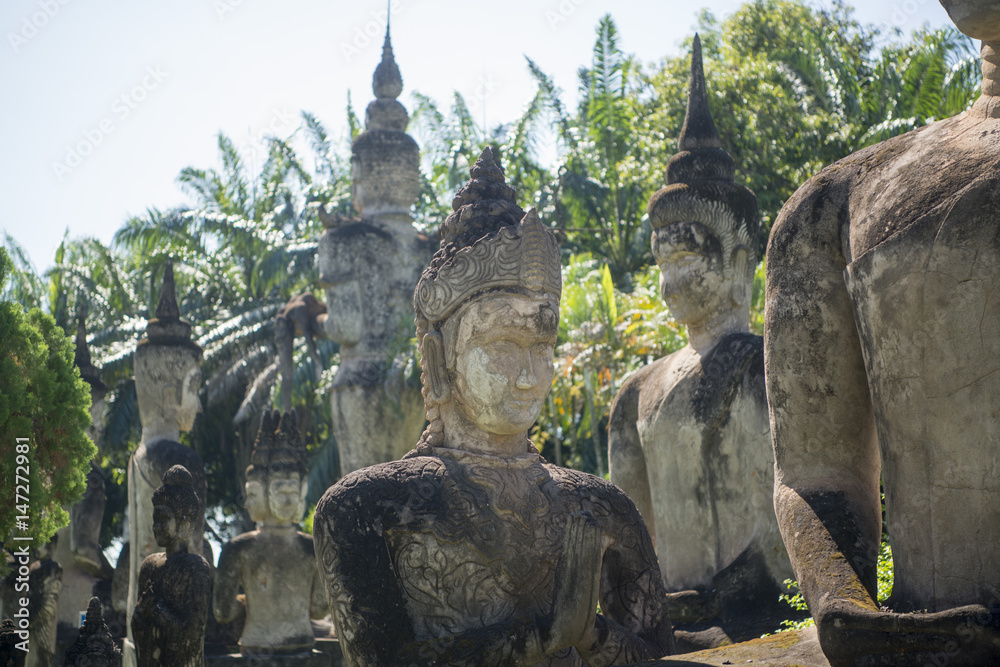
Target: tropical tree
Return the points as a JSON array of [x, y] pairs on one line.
[[44, 414]]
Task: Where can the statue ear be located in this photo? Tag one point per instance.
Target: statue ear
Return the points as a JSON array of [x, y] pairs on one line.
[[740, 295], [433, 351]]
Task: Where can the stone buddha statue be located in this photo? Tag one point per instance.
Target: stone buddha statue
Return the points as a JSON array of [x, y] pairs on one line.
[[78, 549], [368, 267], [175, 585], [275, 565], [94, 646], [689, 439], [167, 378], [472, 550], [883, 357]]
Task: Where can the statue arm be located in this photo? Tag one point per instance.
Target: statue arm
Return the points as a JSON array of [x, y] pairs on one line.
[[634, 623], [226, 604], [626, 456], [827, 461]]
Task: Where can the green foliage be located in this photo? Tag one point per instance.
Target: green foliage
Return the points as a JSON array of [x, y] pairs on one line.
[[44, 400], [796, 601]]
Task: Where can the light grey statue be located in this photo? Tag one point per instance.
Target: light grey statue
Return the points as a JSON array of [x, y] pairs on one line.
[[689, 438], [883, 360], [274, 565]]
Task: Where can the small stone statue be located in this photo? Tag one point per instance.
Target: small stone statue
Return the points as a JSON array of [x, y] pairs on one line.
[[689, 439], [170, 615], [275, 565], [167, 379], [882, 350], [94, 646], [472, 550], [369, 267], [44, 586]]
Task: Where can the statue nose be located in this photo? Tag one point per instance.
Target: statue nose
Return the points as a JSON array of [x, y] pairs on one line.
[[526, 379]]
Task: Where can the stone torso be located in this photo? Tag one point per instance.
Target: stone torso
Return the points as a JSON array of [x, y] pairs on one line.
[[702, 422], [169, 621], [471, 544], [279, 578], [922, 247]]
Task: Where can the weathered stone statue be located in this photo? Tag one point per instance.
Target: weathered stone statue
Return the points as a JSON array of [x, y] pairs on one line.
[[689, 439], [78, 549], [275, 564], [44, 586], [883, 355], [10, 654], [369, 267], [167, 378], [168, 623], [94, 646], [472, 550]]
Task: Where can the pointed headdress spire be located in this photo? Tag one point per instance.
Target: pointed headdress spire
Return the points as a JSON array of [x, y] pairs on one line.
[[167, 328]]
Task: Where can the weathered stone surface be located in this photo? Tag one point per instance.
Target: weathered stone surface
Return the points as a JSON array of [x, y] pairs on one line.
[[794, 648], [168, 623], [94, 646], [78, 549], [167, 379], [275, 565], [883, 356], [368, 267], [10, 654], [472, 550], [689, 438]]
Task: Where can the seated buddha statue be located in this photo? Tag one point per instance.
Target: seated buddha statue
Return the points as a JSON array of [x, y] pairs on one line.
[[472, 550]]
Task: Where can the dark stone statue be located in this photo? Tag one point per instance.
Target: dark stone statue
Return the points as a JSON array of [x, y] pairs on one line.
[[94, 646], [174, 586]]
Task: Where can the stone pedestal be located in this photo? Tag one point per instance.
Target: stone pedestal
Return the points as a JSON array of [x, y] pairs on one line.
[[794, 648]]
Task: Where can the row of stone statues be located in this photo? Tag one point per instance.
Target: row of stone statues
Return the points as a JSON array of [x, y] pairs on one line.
[[879, 361]]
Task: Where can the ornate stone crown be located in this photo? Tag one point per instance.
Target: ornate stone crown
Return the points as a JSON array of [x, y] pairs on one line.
[[278, 447], [524, 256]]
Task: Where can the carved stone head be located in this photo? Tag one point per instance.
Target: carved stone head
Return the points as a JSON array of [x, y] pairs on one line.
[[94, 646], [175, 507], [167, 365], [704, 225], [277, 479], [487, 310], [385, 160]]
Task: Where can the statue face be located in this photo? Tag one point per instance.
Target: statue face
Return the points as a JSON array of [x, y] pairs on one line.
[[283, 495], [695, 281], [256, 500], [503, 361], [979, 19], [164, 525]]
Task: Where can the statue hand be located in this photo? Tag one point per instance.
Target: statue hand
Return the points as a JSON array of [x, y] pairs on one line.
[[577, 585], [851, 634]]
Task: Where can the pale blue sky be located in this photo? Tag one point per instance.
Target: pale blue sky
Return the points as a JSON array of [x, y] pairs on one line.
[[148, 85]]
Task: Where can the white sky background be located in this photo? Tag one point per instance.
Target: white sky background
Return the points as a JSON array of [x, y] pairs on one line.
[[190, 68]]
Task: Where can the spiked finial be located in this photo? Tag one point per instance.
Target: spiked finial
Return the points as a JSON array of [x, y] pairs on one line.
[[699, 128], [483, 205], [387, 81], [167, 328], [94, 645]]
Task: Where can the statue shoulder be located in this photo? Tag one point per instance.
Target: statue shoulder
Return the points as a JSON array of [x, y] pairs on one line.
[[378, 489], [640, 383], [584, 491]]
